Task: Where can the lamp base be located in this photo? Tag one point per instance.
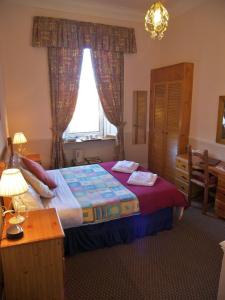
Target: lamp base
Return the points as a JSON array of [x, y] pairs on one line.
[[17, 220], [14, 232]]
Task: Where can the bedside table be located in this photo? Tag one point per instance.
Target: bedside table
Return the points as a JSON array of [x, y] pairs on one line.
[[33, 266], [76, 164], [2, 167], [35, 157]]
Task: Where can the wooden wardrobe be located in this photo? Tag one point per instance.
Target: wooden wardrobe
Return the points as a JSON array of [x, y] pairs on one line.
[[170, 111]]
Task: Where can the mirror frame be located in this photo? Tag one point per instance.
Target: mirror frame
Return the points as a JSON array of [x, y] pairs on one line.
[[221, 109]]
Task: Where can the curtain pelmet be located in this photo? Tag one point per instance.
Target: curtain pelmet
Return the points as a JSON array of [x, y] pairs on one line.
[[63, 33]]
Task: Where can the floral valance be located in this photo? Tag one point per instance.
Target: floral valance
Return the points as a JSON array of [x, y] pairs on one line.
[[52, 32]]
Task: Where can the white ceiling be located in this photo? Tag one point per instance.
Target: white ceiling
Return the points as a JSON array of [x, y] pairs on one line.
[[142, 5], [119, 9]]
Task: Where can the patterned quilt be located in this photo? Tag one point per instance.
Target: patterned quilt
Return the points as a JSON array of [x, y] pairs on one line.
[[101, 196]]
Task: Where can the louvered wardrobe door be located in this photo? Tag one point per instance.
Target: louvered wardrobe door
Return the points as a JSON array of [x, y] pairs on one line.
[[174, 100], [169, 118], [157, 128]]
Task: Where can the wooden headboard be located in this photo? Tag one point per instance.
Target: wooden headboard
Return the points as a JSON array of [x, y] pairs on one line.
[[3, 126], [3, 144], [3, 130], [3, 150]]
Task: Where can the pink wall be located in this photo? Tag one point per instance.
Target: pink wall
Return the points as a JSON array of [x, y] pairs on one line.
[[25, 71], [199, 37]]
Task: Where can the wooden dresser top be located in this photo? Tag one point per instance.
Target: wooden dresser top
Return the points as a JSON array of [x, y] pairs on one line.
[[218, 170], [40, 225]]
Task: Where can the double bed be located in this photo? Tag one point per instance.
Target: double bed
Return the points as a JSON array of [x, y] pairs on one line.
[[97, 207]]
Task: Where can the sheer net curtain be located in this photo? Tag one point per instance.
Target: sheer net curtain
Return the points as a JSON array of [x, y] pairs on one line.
[[64, 72], [109, 75]]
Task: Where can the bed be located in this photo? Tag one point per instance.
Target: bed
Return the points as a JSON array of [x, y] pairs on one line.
[[97, 208]]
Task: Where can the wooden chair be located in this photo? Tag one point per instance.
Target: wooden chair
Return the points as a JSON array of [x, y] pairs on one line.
[[198, 168]]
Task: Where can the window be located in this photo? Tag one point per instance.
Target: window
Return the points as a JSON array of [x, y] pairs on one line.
[[88, 118]]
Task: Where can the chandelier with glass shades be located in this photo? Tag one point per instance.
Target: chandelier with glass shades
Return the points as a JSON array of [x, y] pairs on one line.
[[156, 20]]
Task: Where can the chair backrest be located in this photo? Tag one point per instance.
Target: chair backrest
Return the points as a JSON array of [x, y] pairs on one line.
[[198, 165]]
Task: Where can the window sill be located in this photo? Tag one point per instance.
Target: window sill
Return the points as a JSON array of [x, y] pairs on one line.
[[82, 140]]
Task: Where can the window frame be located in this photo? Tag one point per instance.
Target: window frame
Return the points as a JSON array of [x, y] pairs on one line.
[[89, 133], [104, 124]]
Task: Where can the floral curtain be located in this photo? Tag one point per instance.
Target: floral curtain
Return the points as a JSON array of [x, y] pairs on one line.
[[109, 75], [53, 32], [65, 40], [64, 72]]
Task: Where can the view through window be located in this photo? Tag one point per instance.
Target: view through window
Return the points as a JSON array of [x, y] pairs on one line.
[[88, 118]]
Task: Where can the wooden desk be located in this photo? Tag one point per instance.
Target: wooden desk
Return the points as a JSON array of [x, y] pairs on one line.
[[182, 182], [2, 167]]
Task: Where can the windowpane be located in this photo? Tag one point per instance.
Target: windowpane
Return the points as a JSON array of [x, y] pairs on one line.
[[109, 129], [86, 117]]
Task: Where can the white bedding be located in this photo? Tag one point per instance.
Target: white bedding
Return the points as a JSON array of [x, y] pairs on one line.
[[68, 208]]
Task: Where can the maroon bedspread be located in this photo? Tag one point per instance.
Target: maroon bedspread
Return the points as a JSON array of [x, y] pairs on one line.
[[163, 194]]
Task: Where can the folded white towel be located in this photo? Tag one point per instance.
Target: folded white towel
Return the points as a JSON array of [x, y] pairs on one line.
[[142, 178], [125, 166]]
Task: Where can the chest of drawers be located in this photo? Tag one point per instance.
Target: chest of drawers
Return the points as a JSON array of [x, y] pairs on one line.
[[182, 177], [220, 197], [182, 183], [33, 266]]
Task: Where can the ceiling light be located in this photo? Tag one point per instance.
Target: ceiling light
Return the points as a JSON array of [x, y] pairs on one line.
[[156, 20]]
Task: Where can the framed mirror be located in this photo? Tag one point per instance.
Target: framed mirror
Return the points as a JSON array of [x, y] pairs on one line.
[[220, 135], [139, 117]]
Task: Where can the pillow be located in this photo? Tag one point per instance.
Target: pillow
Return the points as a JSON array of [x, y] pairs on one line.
[[39, 172], [41, 188], [31, 200]]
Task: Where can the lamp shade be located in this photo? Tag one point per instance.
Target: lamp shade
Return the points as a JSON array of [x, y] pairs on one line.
[[12, 183], [19, 138]]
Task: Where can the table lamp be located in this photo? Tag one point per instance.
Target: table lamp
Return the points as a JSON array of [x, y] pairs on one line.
[[13, 184], [19, 139]]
